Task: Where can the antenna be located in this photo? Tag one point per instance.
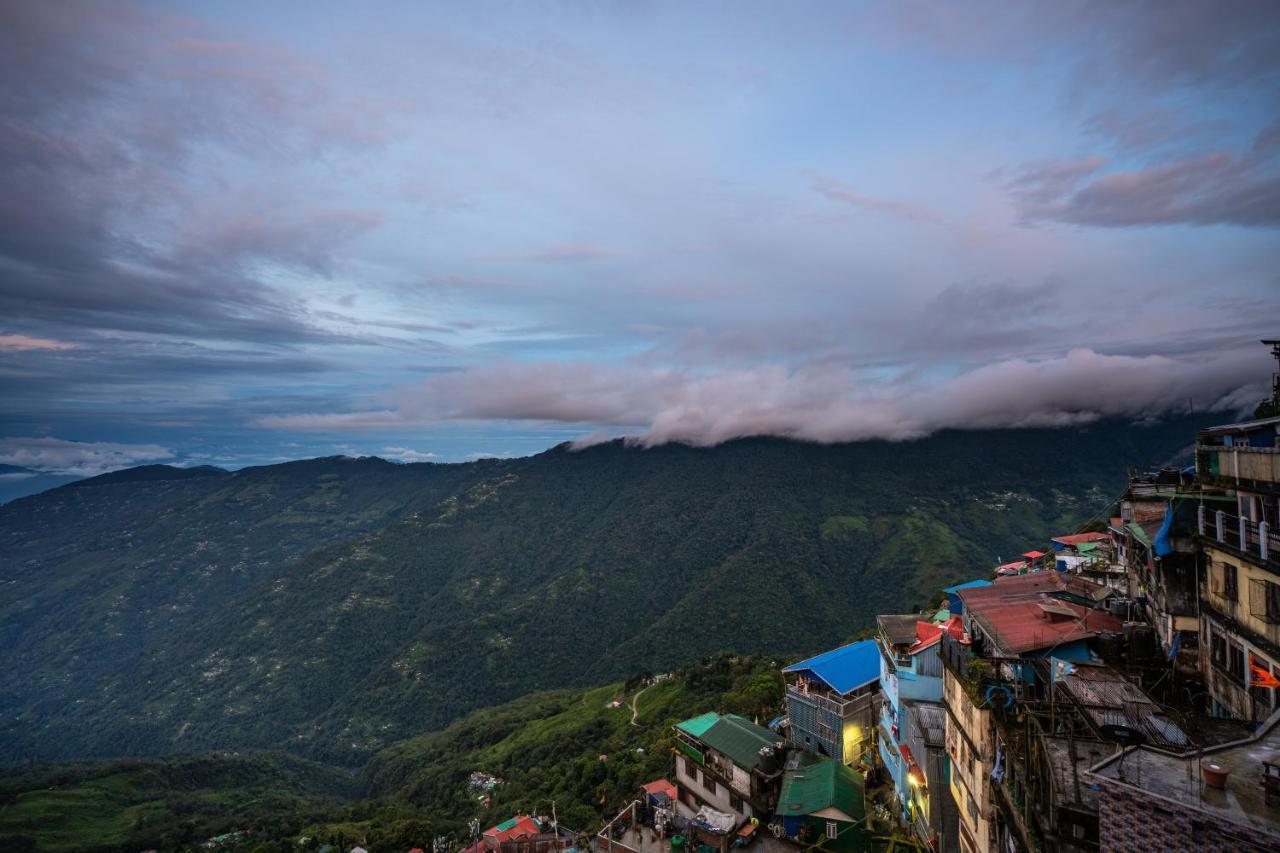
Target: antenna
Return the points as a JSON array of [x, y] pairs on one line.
[[1275, 377]]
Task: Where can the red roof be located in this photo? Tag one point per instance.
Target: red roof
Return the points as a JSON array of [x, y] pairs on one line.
[[1080, 538], [1010, 611], [1034, 555], [1025, 626], [928, 633], [519, 826], [660, 786], [1028, 586]]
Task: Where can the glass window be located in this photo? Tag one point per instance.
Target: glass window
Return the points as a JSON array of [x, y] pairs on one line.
[[831, 829]]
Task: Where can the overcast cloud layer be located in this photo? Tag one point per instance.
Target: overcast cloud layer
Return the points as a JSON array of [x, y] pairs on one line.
[[236, 233]]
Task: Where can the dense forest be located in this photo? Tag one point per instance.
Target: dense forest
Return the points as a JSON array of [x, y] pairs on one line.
[[335, 606], [577, 748]]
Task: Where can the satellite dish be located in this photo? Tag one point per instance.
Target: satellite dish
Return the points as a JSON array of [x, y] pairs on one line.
[[1123, 735]]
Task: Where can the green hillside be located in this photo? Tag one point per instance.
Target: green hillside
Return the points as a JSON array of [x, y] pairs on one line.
[[544, 747], [139, 803], [335, 606]]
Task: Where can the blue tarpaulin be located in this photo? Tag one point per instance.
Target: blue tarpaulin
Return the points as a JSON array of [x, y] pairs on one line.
[[1161, 542], [844, 669]]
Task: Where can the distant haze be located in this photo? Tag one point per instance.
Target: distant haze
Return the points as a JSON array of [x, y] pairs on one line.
[[238, 233]]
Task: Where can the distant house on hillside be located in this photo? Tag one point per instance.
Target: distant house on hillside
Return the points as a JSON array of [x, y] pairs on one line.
[[831, 701], [727, 764], [822, 803]]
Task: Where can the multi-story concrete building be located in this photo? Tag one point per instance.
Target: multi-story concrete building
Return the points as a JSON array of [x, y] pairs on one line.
[[1240, 580], [727, 764]]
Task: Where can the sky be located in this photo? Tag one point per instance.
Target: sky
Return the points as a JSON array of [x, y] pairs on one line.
[[238, 233]]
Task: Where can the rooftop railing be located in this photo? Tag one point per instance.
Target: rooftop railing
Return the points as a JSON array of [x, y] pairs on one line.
[[1254, 538]]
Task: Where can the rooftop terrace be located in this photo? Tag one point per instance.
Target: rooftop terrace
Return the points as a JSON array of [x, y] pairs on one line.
[[1177, 777]]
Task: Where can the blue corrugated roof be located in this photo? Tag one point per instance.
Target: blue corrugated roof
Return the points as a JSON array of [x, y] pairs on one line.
[[844, 669], [966, 585]]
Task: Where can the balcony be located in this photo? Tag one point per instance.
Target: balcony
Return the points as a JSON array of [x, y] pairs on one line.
[[827, 700], [1255, 468], [1255, 540]]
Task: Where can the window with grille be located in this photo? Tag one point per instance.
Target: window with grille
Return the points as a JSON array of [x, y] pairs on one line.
[[708, 782], [1264, 601], [831, 829]]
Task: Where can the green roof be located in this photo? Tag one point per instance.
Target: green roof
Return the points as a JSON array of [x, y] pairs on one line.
[[1139, 533], [822, 784], [699, 725], [1086, 547], [739, 739]]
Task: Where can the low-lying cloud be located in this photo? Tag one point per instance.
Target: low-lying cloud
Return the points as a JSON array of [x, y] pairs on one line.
[[77, 458], [820, 402]]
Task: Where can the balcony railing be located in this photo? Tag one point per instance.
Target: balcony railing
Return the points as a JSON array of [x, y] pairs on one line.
[[1254, 538], [1260, 465], [824, 700]]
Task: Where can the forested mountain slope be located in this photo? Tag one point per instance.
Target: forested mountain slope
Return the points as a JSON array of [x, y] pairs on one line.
[[334, 606]]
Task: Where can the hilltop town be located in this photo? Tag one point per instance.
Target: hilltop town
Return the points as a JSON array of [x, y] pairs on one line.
[[1113, 688]]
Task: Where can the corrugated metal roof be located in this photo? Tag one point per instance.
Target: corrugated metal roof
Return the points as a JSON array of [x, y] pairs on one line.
[[741, 740], [1079, 538], [1024, 626], [823, 784], [1243, 426], [899, 629], [968, 585], [844, 669], [699, 724]]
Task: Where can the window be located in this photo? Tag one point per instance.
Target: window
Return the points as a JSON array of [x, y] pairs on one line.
[[1235, 662], [708, 782], [1264, 601], [825, 731], [735, 802], [690, 769], [832, 829], [1218, 650], [1230, 589]]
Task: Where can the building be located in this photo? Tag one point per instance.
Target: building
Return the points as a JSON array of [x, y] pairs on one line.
[[954, 605], [727, 764], [912, 724], [1157, 801], [1155, 546], [822, 801], [1017, 628], [831, 702], [1240, 579], [1037, 614]]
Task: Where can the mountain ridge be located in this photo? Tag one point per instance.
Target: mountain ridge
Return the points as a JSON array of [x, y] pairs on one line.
[[332, 606]]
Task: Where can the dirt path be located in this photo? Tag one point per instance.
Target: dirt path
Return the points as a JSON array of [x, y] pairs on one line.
[[634, 698]]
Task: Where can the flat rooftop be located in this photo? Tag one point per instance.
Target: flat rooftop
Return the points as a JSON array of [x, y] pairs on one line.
[[1177, 777]]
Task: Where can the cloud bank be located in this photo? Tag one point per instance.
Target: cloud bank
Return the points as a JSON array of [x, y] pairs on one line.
[[77, 458], [824, 403]]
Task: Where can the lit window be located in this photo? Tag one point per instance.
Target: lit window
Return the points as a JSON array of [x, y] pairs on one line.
[[831, 829]]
